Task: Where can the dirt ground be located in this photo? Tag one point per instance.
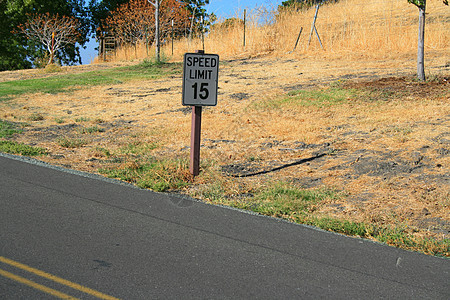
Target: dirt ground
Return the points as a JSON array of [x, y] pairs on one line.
[[390, 156]]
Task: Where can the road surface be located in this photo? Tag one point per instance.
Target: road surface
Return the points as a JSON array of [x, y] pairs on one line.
[[85, 237]]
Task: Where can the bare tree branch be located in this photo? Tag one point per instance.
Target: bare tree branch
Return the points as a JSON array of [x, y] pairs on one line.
[[52, 31]]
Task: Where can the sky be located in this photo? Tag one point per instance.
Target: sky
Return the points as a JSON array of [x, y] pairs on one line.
[[222, 8], [229, 8]]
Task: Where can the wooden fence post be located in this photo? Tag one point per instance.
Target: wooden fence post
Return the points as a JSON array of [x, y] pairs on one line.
[[245, 17]]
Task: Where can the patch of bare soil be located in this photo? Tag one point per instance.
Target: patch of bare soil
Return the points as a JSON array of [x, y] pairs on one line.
[[389, 152]]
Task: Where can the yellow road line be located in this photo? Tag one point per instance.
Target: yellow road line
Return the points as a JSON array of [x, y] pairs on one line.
[[57, 279], [36, 285]]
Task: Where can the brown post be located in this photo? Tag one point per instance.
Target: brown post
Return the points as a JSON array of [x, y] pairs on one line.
[[195, 140], [104, 48], [53, 48]]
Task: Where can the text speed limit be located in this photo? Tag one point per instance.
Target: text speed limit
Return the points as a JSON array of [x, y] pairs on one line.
[[200, 78]]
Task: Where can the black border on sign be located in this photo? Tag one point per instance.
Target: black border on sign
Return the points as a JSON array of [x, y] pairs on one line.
[[184, 79]]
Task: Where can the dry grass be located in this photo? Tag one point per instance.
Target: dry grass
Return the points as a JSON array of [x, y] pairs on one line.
[[349, 28]]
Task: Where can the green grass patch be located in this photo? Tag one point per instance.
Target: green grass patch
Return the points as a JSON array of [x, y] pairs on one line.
[[158, 175], [99, 121], [321, 98], [138, 148], [400, 237], [54, 84], [71, 142], [103, 151], [152, 62], [36, 117], [8, 129], [287, 202], [82, 119], [339, 226], [22, 149], [65, 82], [282, 200], [91, 130], [60, 120], [214, 192]]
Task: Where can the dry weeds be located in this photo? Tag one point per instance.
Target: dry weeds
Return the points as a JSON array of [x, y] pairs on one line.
[[352, 29]]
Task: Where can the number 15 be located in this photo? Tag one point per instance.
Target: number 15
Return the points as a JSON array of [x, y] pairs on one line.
[[203, 92]]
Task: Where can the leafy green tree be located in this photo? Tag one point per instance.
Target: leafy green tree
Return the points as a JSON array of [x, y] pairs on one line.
[[301, 4], [12, 54], [16, 52], [421, 4], [200, 19], [196, 8]]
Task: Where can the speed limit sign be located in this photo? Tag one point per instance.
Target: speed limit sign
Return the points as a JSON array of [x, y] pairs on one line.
[[200, 77]]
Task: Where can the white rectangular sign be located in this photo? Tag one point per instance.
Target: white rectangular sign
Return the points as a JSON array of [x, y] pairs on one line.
[[200, 79]]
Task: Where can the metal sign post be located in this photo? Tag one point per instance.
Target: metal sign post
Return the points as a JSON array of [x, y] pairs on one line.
[[200, 84]]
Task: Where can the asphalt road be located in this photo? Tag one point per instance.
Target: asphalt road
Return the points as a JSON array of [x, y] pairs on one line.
[[94, 237]]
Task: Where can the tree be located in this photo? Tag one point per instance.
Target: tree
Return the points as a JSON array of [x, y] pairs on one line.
[[200, 19], [12, 56], [130, 22], [18, 52], [99, 11], [156, 4], [421, 4], [136, 20], [53, 31], [302, 4]]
